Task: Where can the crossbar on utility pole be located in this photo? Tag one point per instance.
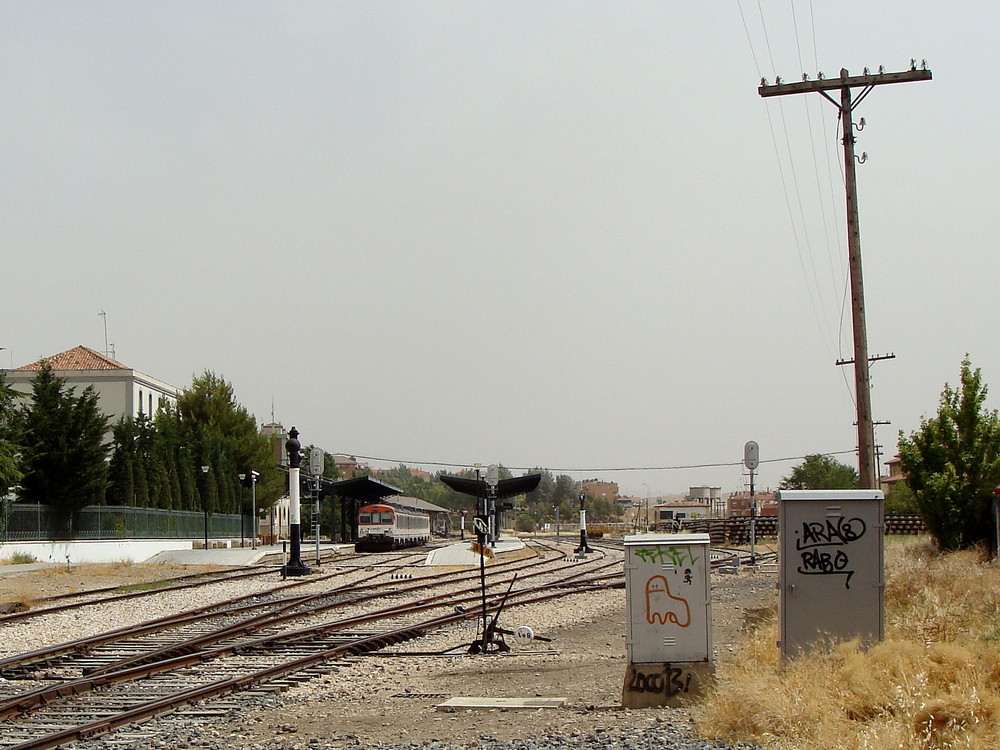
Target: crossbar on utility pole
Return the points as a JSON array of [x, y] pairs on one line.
[[867, 468]]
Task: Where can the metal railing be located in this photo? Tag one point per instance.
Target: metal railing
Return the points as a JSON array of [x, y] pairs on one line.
[[30, 522]]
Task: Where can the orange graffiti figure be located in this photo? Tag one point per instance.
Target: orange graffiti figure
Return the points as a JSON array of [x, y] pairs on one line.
[[662, 606]]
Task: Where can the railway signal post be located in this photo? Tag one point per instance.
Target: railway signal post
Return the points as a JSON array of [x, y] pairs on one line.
[[295, 566], [583, 549]]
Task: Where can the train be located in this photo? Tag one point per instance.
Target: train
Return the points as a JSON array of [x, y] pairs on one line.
[[386, 527]]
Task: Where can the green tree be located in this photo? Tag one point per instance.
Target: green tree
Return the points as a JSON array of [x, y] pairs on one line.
[[10, 472], [819, 472], [121, 469], [215, 430], [899, 499], [952, 464], [64, 446], [525, 522]]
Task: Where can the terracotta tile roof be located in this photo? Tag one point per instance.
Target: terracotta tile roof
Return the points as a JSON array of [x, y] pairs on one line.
[[78, 358]]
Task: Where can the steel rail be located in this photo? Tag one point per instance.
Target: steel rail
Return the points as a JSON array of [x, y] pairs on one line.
[[222, 687], [280, 616], [357, 646], [44, 696], [233, 607]]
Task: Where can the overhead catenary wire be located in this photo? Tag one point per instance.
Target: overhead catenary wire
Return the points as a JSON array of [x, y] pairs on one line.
[[591, 469], [812, 146], [840, 283], [800, 234]]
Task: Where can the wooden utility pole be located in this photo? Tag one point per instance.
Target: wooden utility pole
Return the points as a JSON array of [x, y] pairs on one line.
[[867, 467]]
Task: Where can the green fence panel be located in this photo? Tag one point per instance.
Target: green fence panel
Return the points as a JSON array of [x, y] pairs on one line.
[[30, 522]]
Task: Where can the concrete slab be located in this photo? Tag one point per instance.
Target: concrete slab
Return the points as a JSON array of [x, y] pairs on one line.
[[240, 556], [508, 703], [237, 556], [463, 554]]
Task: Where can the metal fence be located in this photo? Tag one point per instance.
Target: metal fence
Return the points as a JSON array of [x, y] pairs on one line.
[[30, 522]]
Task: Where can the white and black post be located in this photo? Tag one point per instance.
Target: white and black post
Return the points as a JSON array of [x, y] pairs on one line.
[[253, 506], [295, 566], [583, 549], [492, 482]]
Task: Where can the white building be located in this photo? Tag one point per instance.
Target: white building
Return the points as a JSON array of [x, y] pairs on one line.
[[121, 390], [669, 513]]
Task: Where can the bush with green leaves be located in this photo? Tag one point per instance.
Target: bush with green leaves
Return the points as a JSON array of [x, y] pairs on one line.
[[952, 464]]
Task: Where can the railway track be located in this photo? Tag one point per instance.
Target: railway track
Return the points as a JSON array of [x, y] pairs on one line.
[[97, 684]]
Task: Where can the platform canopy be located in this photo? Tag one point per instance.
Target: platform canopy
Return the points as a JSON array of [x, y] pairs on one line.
[[363, 488]]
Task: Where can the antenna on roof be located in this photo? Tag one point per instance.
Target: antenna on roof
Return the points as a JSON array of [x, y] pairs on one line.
[[104, 315]]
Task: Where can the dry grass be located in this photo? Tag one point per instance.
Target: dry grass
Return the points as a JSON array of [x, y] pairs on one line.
[[90, 570], [18, 558], [18, 595], [934, 683]]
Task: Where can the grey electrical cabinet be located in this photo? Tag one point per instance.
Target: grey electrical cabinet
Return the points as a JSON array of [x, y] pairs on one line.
[[831, 572], [667, 583]]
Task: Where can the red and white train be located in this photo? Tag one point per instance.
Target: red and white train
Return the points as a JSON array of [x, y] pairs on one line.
[[382, 526]]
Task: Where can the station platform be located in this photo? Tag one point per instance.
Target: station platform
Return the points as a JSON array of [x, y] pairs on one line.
[[242, 556]]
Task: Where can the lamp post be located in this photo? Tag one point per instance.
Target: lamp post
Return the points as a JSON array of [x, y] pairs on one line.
[[251, 478], [204, 502], [295, 566], [645, 512], [253, 506]]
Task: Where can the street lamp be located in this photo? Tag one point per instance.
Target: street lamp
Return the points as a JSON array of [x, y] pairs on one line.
[[204, 502], [645, 512], [251, 478], [253, 506]]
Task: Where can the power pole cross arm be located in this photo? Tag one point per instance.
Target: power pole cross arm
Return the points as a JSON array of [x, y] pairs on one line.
[[851, 82]]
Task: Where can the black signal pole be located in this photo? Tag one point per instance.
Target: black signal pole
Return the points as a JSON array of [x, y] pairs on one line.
[[295, 566]]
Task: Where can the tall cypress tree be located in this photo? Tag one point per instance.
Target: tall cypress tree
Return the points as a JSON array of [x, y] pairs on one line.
[[10, 472], [64, 446], [121, 478]]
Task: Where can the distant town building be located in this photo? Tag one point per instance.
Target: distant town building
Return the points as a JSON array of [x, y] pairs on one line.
[[710, 495], [121, 390], [599, 489], [738, 504], [278, 436], [415, 473], [670, 513], [896, 475], [348, 466]]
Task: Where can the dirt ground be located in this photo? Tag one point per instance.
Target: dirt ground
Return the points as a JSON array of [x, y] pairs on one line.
[[27, 584], [394, 699]]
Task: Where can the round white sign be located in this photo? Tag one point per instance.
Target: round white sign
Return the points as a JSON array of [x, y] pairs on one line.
[[524, 635]]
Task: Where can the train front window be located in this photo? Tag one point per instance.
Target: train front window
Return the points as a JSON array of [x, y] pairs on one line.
[[365, 518], [387, 517]]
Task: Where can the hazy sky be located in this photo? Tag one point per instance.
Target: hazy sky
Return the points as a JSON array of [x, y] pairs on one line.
[[559, 234]]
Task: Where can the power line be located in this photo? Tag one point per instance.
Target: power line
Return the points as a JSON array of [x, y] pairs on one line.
[[592, 469], [812, 285]]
